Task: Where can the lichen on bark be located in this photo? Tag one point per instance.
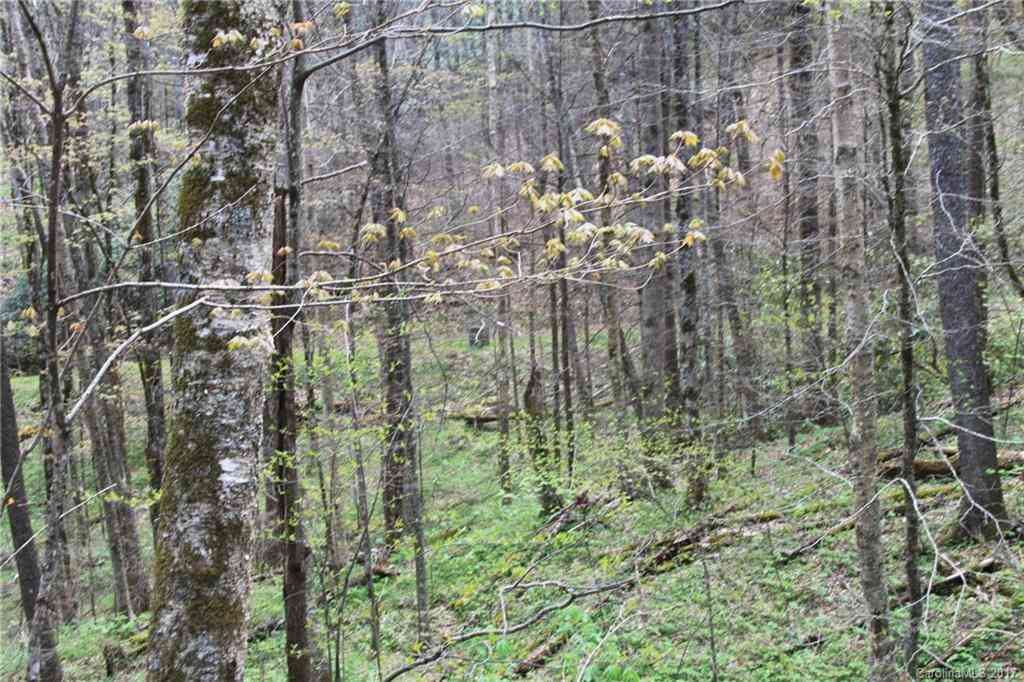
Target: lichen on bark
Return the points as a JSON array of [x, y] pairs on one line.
[[209, 500]]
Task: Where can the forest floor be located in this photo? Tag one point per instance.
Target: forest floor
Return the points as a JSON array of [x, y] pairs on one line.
[[759, 584]]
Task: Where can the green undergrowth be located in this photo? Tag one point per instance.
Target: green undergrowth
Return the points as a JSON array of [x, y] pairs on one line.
[[731, 600]]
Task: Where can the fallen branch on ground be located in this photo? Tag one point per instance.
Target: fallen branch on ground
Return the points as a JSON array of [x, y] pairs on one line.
[[927, 468], [541, 653], [572, 595]]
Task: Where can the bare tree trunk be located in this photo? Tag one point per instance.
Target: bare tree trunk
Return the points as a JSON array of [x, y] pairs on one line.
[[209, 499], [149, 356], [688, 308], [90, 261], [572, 366], [789, 414], [661, 390], [362, 496], [960, 260], [846, 121], [607, 293], [898, 224], [287, 240], [26, 559], [289, 492], [746, 355], [544, 467], [496, 145], [806, 161], [403, 495], [44, 664], [982, 96], [122, 602], [975, 153]]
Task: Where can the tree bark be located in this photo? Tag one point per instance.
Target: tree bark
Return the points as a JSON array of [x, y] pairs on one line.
[[26, 558], [747, 359], [982, 92], [688, 308], [892, 73], [662, 395], [959, 260], [402, 494], [496, 147], [287, 240], [801, 50], [607, 293], [847, 119], [44, 663], [208, 506], [149, 356]]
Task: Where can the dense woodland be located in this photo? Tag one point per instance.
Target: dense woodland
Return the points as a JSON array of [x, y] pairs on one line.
[[589, 340]]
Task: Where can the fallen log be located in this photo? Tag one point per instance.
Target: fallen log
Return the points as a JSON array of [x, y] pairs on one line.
[[540, 654], [716, 532], [922, 446], [927, 468], [379, 571], [478, 417], [926, 441], [960, 579], [947, 585], [848, 524]]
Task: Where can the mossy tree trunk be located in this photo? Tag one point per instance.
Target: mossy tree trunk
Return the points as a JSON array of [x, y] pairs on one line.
[[208, 506]]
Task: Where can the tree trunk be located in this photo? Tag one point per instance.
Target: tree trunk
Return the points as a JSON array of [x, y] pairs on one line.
[[26, 559], [287, 240], [496, 147], [960, 260], [362, 496], [208, 506], [687, 309], [846, 121], [743, 342], [402, 494], [661, 390], [544, 467], [43, 663], [607, 293], [788, 414], [104, 423], [802, 100], [149, 356], [983, 95], [908, 395]]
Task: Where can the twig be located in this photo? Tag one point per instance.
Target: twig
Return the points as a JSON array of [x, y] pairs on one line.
[[124, 345]]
